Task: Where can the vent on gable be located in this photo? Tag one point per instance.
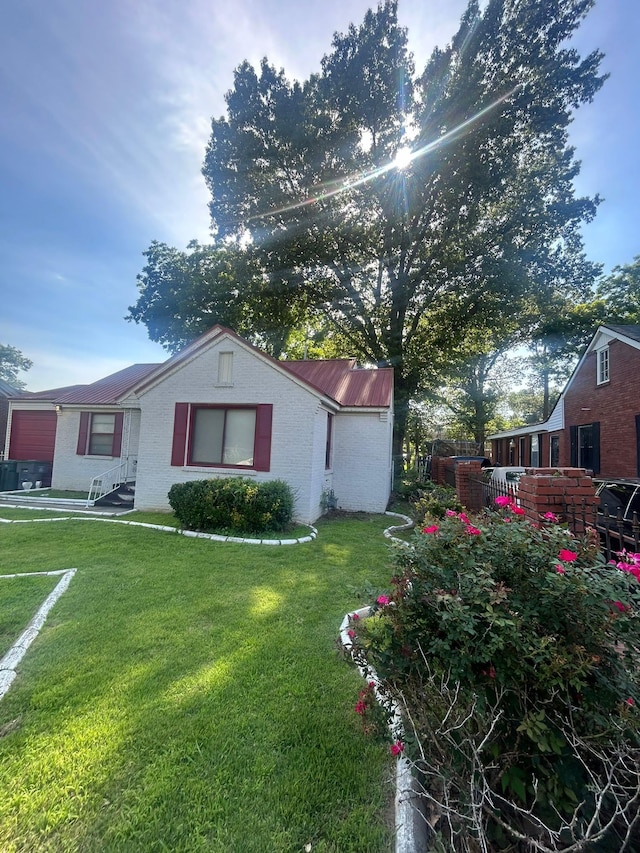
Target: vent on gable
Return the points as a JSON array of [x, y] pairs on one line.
[[225, 368]]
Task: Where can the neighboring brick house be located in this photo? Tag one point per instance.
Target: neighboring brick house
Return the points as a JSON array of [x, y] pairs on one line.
[[6, 391], [222, 407], [596, 422]]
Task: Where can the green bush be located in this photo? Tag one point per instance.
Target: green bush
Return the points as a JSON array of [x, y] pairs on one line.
[[407, 486], [434, 500], [233, 505], [514, 650]]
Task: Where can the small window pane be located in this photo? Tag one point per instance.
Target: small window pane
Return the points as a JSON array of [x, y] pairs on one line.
[[103, 423], [101, 445], [208, 430], [239, 437]]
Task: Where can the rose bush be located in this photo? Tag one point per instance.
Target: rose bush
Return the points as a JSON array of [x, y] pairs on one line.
[[513, 649]]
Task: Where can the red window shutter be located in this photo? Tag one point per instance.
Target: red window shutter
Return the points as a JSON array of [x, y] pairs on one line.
[[180, 420], [117, 434], [262, 455], [81, 450]]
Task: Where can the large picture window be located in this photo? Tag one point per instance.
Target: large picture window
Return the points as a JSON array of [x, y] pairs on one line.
[[208, 435], [222, 437]]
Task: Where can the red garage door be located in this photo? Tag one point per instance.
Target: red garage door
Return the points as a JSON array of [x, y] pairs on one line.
[[33, 435]]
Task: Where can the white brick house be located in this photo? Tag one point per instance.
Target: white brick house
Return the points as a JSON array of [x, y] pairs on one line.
[[219, 408]]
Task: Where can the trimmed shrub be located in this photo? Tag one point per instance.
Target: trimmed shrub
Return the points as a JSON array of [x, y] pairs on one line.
[[233, 505], [514, 651]]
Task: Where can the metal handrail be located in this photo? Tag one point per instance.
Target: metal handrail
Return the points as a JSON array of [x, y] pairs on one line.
[[107, 482]]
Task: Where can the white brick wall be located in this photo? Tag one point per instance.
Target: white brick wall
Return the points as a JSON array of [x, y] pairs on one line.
[[73, 471], [362, 460], [254, 381]]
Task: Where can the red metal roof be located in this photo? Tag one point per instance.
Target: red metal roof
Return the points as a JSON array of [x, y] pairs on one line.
[[108, 390], [104, 392], [342, 380], [338, 378]]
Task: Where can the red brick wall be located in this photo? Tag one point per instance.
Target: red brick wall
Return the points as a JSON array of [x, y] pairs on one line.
[[614, 404]]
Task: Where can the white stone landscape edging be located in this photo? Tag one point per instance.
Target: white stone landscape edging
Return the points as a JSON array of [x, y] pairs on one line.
[[17, 651], [389, 532], [409, 821], [215, 537]]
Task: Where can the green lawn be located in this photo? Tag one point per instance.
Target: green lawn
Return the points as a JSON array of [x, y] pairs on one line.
[[187, 695]]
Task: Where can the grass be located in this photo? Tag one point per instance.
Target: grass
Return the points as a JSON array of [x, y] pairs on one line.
[[57, 493], [187, 695], [20, 598]]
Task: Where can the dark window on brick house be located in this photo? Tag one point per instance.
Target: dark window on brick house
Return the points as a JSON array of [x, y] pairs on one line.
[[585, 446]]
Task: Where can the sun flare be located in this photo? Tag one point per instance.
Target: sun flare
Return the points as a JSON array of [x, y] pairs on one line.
[[403, 157]]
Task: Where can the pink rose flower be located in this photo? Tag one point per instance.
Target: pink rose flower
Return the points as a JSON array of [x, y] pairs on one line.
[[629, 701], [382, 600], [397, 747], [517, 510], [473, 531], [355, 616], [550, 516], [450, 513], [351, 633], [623, 608], [360, 707], [502, 500], [561, 569], [432, 529], [567, 556]]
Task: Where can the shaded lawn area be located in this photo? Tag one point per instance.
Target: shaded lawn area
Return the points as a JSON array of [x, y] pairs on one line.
[[186, 695]]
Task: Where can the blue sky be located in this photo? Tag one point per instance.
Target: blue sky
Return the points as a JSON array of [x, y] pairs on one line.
[[105, 111]]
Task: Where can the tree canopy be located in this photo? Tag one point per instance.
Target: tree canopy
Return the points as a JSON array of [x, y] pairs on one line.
[[621, 293], [400, 209], [12, 361]]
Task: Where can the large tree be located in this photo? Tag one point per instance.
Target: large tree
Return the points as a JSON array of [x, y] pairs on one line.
[[403, 210], [401, 255], [12, 361]]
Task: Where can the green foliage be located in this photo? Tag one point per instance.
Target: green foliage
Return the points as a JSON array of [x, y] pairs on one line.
[[12, 361], [433, 501], [621, 293], [408, 487], [514, 649], [232, 505]]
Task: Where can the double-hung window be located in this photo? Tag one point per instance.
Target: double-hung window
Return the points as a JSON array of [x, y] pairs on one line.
[[602, 356], [102, 430], [100, 434]]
